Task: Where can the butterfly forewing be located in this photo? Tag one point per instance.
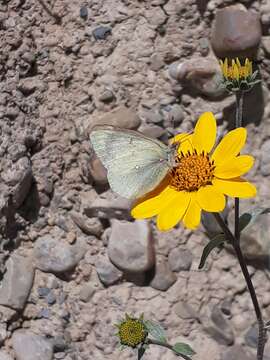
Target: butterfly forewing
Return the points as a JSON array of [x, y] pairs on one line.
[[136, 164]]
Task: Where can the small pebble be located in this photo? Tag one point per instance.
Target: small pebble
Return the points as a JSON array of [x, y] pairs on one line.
[[84, 12], [51, 298], [101, 32], [45, 313], [43, 291]]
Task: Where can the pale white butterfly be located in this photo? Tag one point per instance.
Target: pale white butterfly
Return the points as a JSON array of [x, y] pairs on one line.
[[135, 163]]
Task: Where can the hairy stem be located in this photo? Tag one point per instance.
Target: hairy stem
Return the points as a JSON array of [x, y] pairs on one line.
[[235, 243], [238, 123]]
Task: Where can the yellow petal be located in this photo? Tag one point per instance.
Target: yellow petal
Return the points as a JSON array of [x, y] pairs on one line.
[[173, 212], [185, 141], [234, 167], [205, 133], [225, 68], [210, 199], [152, 206], [235, 187], [229, 146], [192, 216], [238, 63], [235, 72]]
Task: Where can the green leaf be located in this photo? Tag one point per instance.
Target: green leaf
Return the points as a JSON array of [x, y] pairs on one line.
[[183, 349], [156, 330], [249, 218], [213, 243], [141, 351]]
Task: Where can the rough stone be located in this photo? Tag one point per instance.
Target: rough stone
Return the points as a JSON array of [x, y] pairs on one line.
[[251, 337], [17, 282], [265, 159], [52, 255], [163, 278], [185, 311], [121, 116], [219, 328], [202, 75], [266, 45], [180, 260], [5, 356], [107, 272], [97, 170], [31, 347], [86, 292], [236, 352], [90, 226], [111, 207], [137, 258], [236, 32], [101, 32]]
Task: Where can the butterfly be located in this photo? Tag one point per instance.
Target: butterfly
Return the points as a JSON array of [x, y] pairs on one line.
[[135, 163]]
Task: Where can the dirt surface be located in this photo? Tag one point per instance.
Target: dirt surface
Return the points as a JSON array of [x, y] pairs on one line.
[[88, 62]]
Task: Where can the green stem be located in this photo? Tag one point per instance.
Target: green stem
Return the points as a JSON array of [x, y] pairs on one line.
[[235, 243], [166, 345]]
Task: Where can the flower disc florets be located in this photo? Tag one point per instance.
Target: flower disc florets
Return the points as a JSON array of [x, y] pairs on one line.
[[132, 332], [192, 171], [238, 76]]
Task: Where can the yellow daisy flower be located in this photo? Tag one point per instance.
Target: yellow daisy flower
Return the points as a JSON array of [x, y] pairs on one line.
[[201, 178], [236, 71]]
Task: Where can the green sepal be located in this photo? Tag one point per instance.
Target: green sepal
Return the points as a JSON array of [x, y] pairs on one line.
[[183, 349], [217, 241], [155, 330], [249, 218], [253, 76]]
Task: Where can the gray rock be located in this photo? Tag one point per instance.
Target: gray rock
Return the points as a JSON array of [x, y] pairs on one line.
[[107, 272], [28, 346], [91, 226], [176, 114], [84, 12], [86, 292], [251, 337], [101, 32], [236, 32], [255, 239], [265, 158], [200, 75], [210, 224], [5, 356], [152, 130], [180, 260], [121, 116], [131, 247], [226, 306], [111, 207], [19, 178], [52, 255], [106, 96], [185, 311], [266, 45], [97, 170], [219, 328], [17, 282], [163, 278], [236, 352]]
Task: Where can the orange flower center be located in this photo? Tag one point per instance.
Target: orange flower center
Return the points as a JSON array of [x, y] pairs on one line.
[[192, 171]]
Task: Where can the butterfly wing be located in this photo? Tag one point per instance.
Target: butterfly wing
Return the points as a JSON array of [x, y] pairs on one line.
[[136, 164]]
